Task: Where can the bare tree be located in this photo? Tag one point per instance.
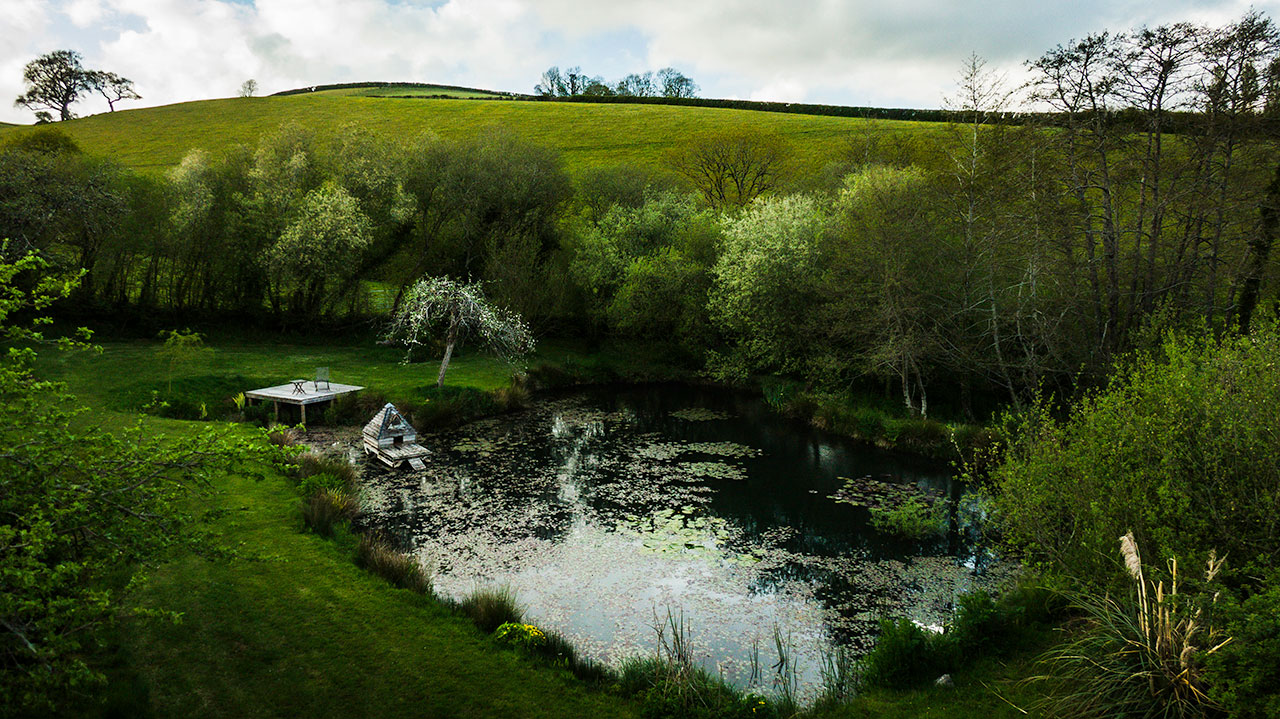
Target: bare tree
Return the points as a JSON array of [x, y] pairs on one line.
[[675, 84], [734, 167], [112, 87], [249, 88]]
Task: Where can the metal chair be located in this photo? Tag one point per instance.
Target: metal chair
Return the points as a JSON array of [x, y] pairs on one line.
[[322, 375]]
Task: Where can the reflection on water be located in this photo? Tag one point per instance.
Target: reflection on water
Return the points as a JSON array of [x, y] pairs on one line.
[[606, 509]]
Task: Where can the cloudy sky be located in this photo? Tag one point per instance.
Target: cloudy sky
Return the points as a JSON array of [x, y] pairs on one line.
[[895, 53]]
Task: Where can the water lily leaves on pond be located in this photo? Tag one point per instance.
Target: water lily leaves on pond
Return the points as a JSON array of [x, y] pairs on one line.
[[694, 471], [699, 414], [878, 494]]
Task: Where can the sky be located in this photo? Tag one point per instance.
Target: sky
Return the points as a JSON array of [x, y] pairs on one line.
[[884, 53]]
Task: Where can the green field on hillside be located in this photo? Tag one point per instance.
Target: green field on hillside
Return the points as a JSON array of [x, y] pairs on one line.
[[157, 138], [407, 90]]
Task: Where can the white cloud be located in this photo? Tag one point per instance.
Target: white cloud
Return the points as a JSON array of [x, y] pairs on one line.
[[84, 13]]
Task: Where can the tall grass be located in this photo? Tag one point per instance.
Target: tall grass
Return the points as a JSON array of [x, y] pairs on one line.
[[325, 509], [492, 607], [671, 684], [1141, 654], [374, 554]]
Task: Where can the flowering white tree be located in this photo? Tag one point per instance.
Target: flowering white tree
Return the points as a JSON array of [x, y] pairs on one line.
[[437, 306]]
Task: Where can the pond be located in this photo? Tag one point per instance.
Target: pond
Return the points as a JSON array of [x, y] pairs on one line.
[[609, 508]]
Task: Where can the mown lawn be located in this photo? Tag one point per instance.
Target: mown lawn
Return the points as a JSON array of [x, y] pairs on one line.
[[157, 138]]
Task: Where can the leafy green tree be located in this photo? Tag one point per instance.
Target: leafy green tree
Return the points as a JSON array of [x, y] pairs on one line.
[[1180, 447], [886, 277], [322, 243], [438, 308], [79, 507], [766, 284], [112, 87], [180, 348], [54, 82]]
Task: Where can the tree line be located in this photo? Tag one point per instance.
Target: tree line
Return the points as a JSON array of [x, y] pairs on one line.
[[669, 82], [984, 260]]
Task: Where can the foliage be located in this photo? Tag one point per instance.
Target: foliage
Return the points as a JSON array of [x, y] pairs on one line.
[[764, 284], [525, 636], [1179, 447], [1244, 676], [54, 82], [326, 508], [321, 244], [80, 506], [1141, 653], [905, 655], [439, 306], [181, 348], [914, 518], [491, 608]]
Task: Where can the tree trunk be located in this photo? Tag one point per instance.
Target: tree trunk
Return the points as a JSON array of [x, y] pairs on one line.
[[1259, 252], [448, 352]]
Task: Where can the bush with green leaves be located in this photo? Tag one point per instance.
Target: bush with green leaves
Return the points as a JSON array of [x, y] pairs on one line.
[[1244, 675], [1180, 447], [913, 518], [79, 505]]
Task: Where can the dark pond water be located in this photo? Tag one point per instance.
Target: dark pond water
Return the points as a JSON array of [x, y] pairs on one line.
[[603, 510]]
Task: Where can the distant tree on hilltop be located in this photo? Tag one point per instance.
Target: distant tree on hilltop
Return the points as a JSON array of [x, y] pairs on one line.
[[57, 80]]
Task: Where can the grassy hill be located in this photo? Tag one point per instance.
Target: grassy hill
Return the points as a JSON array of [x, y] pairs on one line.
[[588, 135]]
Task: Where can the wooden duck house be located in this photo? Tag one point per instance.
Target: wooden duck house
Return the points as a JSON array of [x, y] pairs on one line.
[[390, 438]]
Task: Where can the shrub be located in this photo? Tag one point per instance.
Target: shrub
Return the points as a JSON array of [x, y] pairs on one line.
[[491, 608], [914, 518], [449, 406], [868, 424], [905, 655], [375, 555], [282, 436], [1245, 674], [1180, 448], [354, 409], [321, 481], [327, 507], [922, 434], [512, 397], [310, 464], [524, 636]]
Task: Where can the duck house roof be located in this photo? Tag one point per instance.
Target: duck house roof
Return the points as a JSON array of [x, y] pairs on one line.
[[388, 422]]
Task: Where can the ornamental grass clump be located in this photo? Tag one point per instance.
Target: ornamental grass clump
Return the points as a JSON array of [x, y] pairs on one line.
[[1142, 654], [375, 555], [326, 508], [491, 608]]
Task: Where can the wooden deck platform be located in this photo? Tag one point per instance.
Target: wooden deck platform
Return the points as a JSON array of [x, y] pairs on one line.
[[307, 393]]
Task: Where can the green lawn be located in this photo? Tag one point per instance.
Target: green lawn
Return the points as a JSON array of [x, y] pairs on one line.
[[588, 135]]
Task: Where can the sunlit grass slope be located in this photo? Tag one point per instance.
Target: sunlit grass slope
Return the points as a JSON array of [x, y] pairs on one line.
[[588, 135]]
